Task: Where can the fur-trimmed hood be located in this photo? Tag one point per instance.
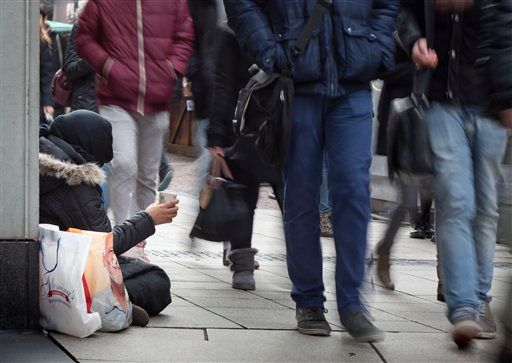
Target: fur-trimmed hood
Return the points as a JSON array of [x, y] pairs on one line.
[[72, 174]]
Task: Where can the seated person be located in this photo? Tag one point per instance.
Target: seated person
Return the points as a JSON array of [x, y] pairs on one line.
[[71, 152]]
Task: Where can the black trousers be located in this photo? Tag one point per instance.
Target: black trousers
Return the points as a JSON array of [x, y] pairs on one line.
[[249, 170], [148, 285]]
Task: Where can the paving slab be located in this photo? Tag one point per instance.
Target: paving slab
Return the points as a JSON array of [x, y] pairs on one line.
[[260, 318], [432, 347], [189, 317], [289, 346], [137, 345], [29, 346]]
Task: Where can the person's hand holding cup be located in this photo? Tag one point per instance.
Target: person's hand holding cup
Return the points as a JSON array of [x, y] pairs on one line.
[[165, 210]]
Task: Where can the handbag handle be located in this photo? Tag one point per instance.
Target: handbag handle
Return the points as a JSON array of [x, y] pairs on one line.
[[220, 167], [42, 253]]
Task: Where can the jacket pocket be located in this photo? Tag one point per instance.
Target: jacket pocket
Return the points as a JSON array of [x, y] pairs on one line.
[[306, 66], [358, 50]]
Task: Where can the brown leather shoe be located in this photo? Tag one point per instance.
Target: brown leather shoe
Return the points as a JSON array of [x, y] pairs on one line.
[[383, 273]]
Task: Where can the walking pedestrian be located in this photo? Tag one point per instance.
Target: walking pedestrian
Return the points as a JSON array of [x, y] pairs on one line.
[[138, 49], [229, 75], [469, 92], [332, 111], [82, 76], [398, 84]]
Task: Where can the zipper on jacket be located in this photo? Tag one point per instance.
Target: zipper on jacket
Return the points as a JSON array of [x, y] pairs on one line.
[[142, 68]]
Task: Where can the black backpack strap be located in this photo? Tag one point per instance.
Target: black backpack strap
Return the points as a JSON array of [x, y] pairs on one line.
[[314, 20]]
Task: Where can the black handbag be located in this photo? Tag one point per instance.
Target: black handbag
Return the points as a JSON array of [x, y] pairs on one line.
[[223, 211], [409, 152], [264, 107]]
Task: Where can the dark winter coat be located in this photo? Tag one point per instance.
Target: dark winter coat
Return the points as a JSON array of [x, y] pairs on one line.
[[204, 15], [474, 48], [138, 47], [352, 45], [228, 76], [83, 95], [45, 78]]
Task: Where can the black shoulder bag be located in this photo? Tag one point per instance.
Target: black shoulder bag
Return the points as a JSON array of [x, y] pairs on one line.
[[409, 152], [264, 107]]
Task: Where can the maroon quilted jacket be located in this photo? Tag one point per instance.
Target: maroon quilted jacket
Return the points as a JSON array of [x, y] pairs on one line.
[[138, 49]]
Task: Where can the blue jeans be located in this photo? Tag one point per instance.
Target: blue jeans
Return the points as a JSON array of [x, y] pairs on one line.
[[467, 150], [342, 127]]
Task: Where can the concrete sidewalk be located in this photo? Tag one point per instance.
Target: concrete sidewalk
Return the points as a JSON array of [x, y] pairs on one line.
[[209, 321]]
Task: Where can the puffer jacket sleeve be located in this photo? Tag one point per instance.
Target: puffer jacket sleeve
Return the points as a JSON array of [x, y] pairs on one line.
[[254, 33], [74, 66], [384, 14], [88, 35], [496, 45], [183, 43], [132, 231]]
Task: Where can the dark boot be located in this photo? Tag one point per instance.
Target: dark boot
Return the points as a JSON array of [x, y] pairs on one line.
[[383, 273], [242, 265]]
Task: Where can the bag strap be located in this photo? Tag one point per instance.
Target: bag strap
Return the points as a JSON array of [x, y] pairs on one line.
[[421, 78], [42, 254], [314, 20]]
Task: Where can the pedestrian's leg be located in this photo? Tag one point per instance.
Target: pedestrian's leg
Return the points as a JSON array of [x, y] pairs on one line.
[[488, 150], [122, 174], [383, 248], [451, 135], [348, 145], [302, 173], [241, 256], [407, 202], [302, 170], [348, 137], [150, 141]]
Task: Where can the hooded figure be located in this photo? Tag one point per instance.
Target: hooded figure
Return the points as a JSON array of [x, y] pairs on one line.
[[71, 151]]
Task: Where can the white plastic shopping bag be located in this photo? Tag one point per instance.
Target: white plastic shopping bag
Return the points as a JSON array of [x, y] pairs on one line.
[[103, 282], [63, 304]]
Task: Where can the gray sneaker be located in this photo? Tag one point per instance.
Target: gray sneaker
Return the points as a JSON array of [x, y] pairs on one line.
[[312, 321], [360, 327], [486, 321], [465, 327]]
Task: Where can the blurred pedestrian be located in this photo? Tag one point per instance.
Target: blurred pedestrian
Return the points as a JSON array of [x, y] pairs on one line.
[[138, 49], [470, 91], [46, 73], [229, 75], [82, 76], [398, 84], [332, 111]]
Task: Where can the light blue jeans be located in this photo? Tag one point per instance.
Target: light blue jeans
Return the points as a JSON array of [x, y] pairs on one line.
[[467, 150]]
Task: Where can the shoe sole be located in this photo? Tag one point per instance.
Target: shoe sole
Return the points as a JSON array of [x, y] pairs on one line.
[[486, 335], [243, 287], [464, 332], [371, 339], [316, 332]]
